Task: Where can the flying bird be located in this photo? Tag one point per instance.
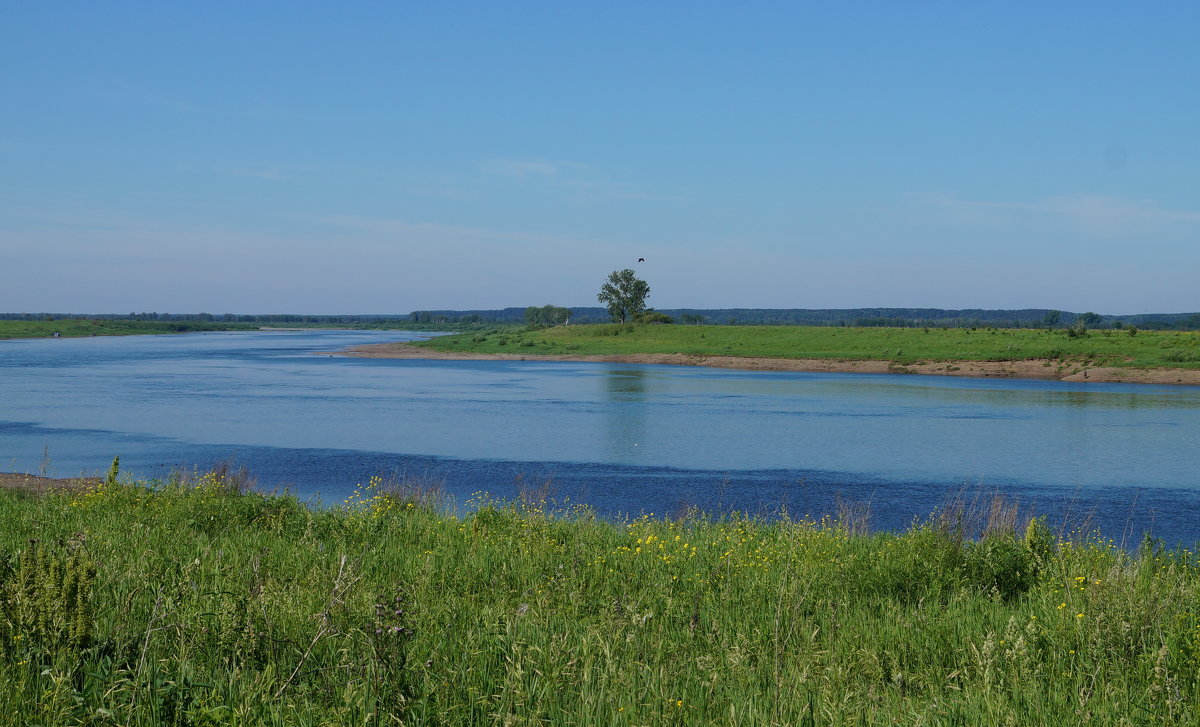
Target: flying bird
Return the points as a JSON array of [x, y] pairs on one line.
[[641, 260]]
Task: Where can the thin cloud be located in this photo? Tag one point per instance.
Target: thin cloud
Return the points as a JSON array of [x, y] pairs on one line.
[[430, 231], [259, 109], [596, 191], [124, 92], [270, 174], [1093, 213], [524, 168], [577, 180]]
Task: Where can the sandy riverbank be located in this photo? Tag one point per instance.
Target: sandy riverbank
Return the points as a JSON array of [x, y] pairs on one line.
[[1027, 369], [36, 484]]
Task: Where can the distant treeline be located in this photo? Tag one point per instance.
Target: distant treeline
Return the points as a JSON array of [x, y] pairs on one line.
[[260, 319], [883, 317]]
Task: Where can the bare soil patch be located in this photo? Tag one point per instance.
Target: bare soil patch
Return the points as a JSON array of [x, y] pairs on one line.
[[1024, 369]]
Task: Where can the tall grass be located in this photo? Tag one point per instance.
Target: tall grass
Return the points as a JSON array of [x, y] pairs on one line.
[[201, 603]]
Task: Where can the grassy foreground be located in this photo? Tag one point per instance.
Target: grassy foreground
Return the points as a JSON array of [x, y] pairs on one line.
[[902, 345], [192, 604]]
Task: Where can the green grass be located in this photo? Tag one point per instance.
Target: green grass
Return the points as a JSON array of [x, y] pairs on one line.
[[74, 327], [900, 345], [191, 604]]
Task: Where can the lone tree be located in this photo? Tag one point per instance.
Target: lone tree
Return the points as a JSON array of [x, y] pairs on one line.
[[624, 294]]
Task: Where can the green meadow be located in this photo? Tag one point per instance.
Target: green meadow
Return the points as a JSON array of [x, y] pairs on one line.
[[1105, 347], [75, 327], [193, 602]]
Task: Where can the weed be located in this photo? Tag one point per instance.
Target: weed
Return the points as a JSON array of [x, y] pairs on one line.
[[46, 600]]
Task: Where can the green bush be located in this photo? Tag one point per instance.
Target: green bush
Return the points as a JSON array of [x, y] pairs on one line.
[[1000, 565], [923, 564], [652, 316]]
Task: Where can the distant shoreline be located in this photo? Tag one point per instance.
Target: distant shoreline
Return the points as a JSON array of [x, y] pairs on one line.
[[1024, 369]]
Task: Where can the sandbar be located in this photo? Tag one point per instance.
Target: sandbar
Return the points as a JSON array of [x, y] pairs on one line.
[[1022, 369]]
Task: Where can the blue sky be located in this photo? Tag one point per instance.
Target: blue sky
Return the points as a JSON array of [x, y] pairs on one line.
[[386, 157]]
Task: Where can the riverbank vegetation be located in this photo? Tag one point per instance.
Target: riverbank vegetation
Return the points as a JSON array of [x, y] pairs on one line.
[[77, 327], [1107, 347], [193, 602], [858, 317]]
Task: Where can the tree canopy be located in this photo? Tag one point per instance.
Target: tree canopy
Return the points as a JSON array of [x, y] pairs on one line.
[[547, 315], [624, 294]]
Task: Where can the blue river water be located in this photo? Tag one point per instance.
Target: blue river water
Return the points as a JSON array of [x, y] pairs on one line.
[[625, 439]]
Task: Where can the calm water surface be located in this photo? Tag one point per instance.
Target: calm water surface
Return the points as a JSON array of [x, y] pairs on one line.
[[624, 438]]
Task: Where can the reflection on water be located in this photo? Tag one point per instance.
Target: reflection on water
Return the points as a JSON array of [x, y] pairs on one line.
[[625, 415], [992, 393]]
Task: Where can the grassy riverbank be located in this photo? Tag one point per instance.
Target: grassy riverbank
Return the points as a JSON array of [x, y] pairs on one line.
[[77, 327], [902, 346], [192, 604]]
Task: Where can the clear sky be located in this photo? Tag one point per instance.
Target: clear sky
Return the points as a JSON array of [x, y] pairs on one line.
[[364, 157]]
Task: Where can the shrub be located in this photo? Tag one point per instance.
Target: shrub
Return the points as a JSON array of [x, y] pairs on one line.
[[653, 316], [922, 564], [1000, 565]]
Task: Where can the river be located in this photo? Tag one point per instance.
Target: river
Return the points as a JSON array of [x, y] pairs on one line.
[[622, 438]]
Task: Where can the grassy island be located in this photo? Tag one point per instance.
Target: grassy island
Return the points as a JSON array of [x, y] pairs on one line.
[[195, 603], [900, 346]]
